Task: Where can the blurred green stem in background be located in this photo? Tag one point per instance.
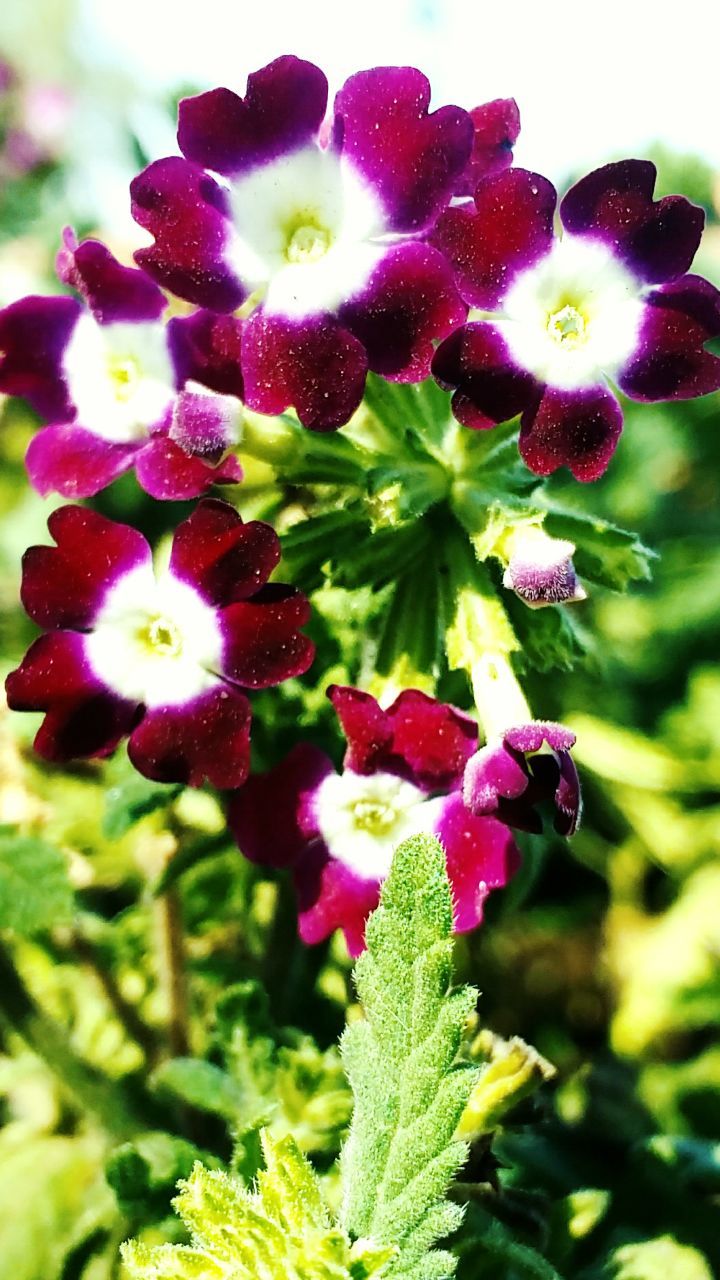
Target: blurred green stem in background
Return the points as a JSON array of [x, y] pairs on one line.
[[92, 1092]]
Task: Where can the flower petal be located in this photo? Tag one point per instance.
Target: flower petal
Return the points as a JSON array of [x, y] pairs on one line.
[[410, 158], [330, 897], [496, 781], [426, 741], [574, 429], [409, 303], [166, 471], [75, 462], [83, 718], [670, 362], [657, 239], [282, 110], [531, 736], [64, 586], [263, 645], [34, 334], [509, 228], [206, 348], [206, 738], [480, 855], [219, 555], [271, 817], [496, 125], [187, 213], [475, 362], [313, 365], [113, 293]]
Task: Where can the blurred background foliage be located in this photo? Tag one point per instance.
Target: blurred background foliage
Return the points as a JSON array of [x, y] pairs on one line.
[[603, 953]]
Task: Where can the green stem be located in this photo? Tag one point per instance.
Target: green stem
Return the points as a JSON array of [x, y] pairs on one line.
[[171, 971], [88, 1088], [125, 1013]]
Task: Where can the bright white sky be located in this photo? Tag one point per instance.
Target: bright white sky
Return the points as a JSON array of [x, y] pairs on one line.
[[592, 79]]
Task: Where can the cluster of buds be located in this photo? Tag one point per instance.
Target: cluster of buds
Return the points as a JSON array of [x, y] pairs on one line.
[[310, 250]]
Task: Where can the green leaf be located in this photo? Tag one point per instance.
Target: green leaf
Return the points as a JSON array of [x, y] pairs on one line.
[[131, 800], [35, 892], [199, 1084], [604, 554], [658, 1260], [279, 1231], [144, 1173], [410, 1092]]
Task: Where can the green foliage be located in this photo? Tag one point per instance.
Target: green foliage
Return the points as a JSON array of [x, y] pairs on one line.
[[657, 1260], [401, 1059], [35, 892], [130, 800], [280, 1231]]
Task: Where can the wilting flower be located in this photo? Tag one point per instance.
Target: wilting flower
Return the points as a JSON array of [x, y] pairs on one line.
[[337, 831], [608, 300], [165, 659], [319, 225], [118, 386], [527, 765], [540, 569]]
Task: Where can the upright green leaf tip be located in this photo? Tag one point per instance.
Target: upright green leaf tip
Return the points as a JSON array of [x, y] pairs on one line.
[[409, 1090]]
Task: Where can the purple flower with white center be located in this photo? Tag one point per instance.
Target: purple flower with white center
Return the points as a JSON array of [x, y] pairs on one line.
[[119, 387], [524, 763], [338, 831], [163, 659], [540, 569], [319, 225], [608, 301]]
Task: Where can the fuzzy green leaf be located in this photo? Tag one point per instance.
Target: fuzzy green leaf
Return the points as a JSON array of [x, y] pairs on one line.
[[409, 1090], [279, 1231], [35, 892]]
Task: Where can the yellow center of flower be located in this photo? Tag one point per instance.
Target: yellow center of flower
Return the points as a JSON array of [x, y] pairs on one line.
[[374, 817], [306, 243], [162, 637], [568, 327], [124, 373]]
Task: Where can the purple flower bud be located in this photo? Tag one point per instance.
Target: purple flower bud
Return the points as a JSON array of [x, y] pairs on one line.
[[540, 569]]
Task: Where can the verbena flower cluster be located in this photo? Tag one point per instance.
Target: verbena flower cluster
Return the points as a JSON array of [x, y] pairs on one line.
[[314, 249]]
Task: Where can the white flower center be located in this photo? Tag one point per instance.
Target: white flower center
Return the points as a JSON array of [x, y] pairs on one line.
[[155, 641], [307, 232], [120, 378], [574, 316], [363, 819]]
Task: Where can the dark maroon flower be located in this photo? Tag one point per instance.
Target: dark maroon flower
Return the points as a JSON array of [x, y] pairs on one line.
[[320, 224], [119, 387], [164, 660], [527, 765], [609, 300], [337, 831]]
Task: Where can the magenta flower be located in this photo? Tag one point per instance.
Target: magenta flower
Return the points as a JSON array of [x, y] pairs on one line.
[[607, 301], [525, 766], [320, 225], [120, 388], [337, 831], [166, 659]]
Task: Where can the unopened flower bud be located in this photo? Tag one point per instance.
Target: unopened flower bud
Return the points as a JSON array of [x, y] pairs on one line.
[[540, 569]]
